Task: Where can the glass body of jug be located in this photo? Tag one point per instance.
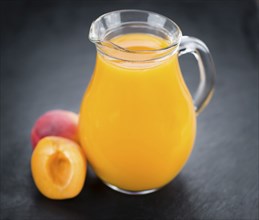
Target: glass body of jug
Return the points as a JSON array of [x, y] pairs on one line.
[[137, 120]]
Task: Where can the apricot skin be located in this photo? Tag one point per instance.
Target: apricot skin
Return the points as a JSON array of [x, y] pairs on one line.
[[59, 123], [58, 167]]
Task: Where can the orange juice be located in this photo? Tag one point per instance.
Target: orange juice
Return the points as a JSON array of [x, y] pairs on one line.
[[137, 125]]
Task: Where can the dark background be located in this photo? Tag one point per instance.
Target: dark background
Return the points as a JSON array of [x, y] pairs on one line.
[[46, 63]]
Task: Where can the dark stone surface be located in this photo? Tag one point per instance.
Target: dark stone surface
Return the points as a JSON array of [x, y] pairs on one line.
[[46, 63]]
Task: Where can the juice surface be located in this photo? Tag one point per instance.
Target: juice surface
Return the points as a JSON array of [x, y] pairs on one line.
[[137, 125]]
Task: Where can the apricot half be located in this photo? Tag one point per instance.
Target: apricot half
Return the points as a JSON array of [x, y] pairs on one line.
[[59, 123], [58, 167]]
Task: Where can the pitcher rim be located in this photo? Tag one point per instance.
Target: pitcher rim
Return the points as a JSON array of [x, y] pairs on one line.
[[174, 42]]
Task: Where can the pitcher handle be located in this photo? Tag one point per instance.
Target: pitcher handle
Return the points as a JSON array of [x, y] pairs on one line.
[[206, 68]]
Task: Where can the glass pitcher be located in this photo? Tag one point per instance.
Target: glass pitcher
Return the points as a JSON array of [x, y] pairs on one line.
[[137, 120]]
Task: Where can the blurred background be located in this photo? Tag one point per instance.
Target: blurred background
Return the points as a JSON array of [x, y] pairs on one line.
[[46, 63]]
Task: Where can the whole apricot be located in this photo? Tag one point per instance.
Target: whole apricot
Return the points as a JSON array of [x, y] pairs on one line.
[[59, 123], [58, 167]]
